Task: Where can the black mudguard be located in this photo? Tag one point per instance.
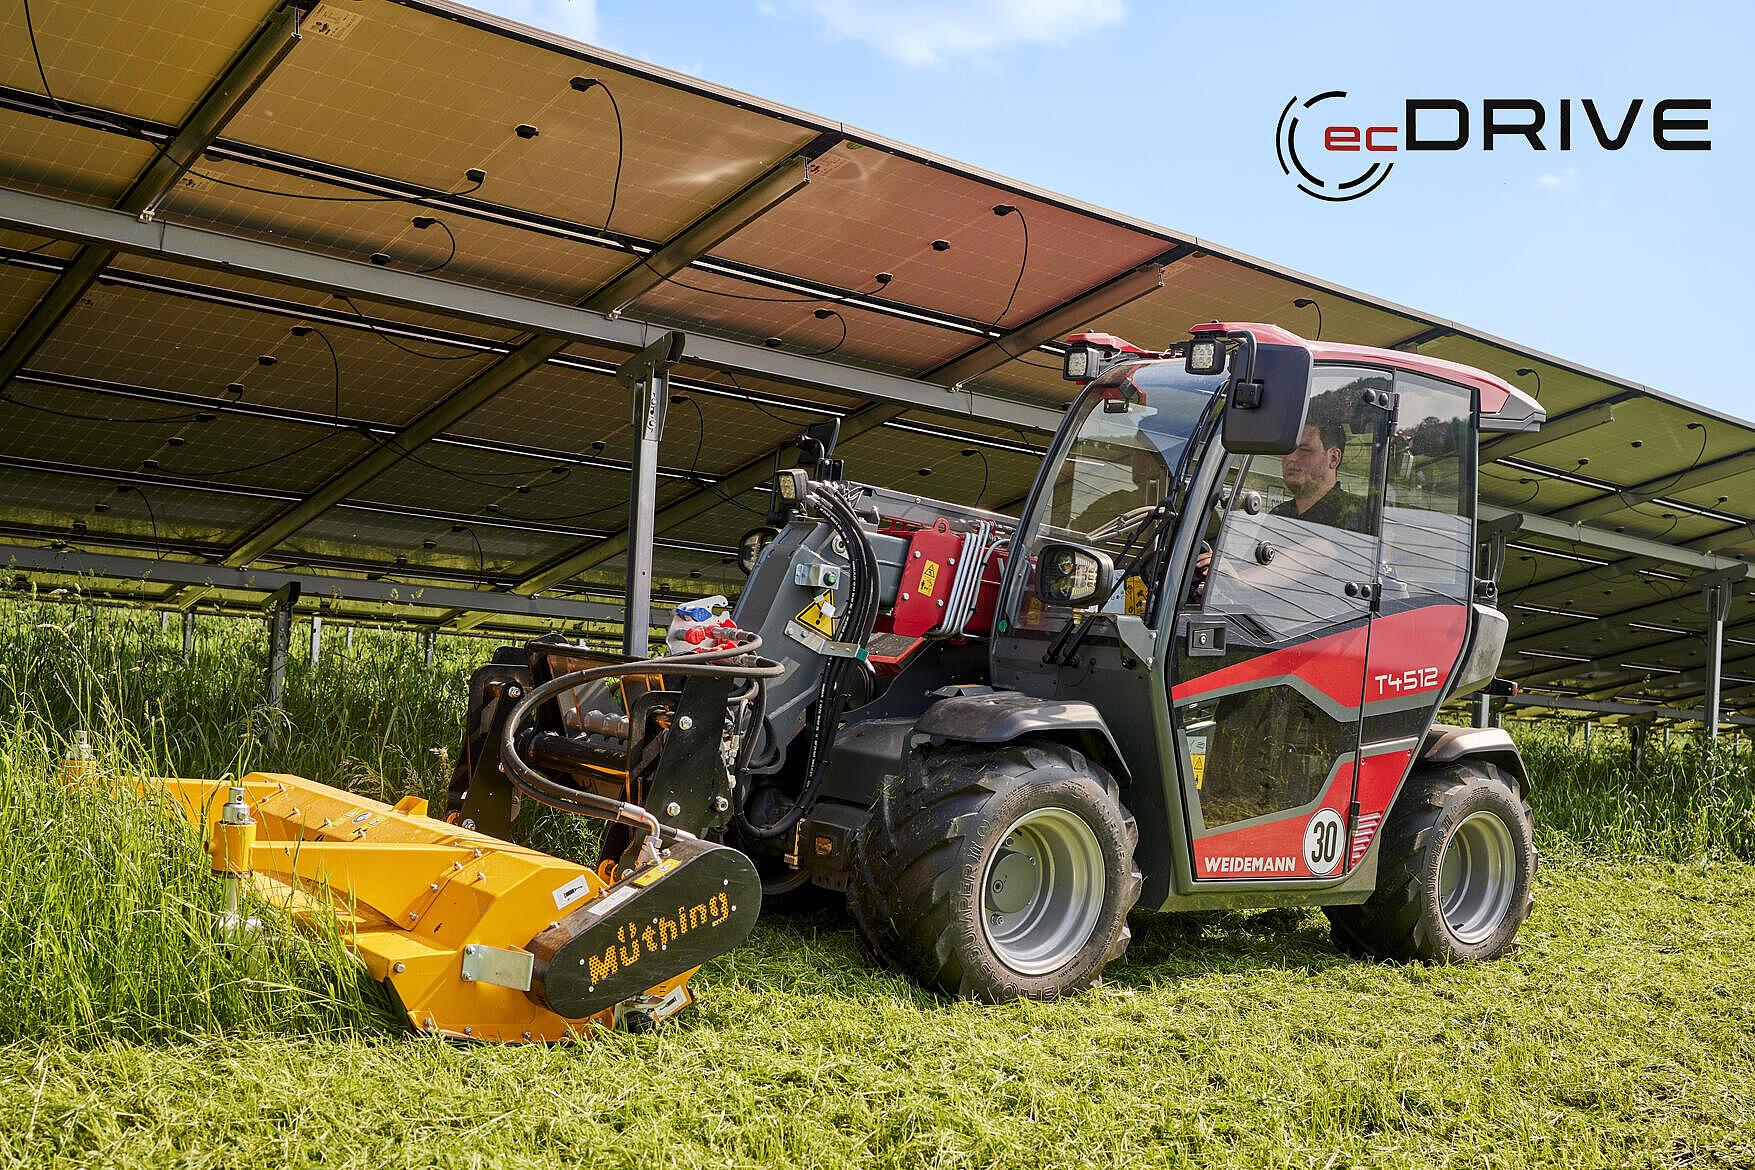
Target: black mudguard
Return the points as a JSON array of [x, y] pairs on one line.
[[1446, 743], [984, 715]]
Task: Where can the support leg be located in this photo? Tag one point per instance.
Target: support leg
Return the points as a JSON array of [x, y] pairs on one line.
[[280, 609], [1718, 605], [647, 375]]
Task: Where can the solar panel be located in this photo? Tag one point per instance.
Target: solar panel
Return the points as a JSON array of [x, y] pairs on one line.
[[184, 410]]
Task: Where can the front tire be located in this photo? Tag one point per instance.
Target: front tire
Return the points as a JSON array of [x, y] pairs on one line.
[[997, 872], [1455, 870]]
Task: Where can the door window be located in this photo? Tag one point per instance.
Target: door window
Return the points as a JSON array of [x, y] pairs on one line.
[[1300, 528], [1428, 512]]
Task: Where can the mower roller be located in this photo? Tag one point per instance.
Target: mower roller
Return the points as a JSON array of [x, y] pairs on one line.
[[1201, 669]]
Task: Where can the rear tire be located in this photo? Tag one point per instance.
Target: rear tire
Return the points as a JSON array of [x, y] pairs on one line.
[[1455, 870], [997, 872]]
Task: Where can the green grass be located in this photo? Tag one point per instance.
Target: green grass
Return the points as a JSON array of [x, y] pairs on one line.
[[1681, 805], [131, 1034]]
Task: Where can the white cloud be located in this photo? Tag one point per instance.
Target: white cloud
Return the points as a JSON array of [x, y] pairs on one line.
[[570, 18], [1554, 180], [919, 33]]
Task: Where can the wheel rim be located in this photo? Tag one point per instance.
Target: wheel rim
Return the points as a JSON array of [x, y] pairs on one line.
[[1476, 876], [1042, 891]]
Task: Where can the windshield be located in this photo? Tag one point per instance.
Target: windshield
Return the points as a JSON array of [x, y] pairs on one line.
[[1123, 453]]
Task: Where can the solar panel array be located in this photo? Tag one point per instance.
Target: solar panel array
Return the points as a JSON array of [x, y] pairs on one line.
[[177, 415]]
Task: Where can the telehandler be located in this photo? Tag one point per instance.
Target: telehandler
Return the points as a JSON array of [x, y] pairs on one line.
[[1202, 669]]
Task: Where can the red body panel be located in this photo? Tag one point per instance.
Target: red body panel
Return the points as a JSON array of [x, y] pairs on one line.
[[1334, 665], [1412, 655], [1271, 850], [987, 599], [927, 578], [1413, 652], [1379, 778], [1425, 639]]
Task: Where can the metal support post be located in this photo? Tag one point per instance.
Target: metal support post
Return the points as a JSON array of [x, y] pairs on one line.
[[1636, 747], [647, 375], [1588, 724], [430, 644], [316, 639], [1484, 711], [1718, 608], [164, 620], [280, 609], [188, 633], [350, 639]]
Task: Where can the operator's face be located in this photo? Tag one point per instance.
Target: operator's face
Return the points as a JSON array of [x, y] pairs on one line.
[[1310, 467]]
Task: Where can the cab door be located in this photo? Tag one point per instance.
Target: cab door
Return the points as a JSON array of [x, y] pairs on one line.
[[1426, 588], [1271, 653]]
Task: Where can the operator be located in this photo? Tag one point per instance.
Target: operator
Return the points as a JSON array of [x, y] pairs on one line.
[[1309, 471]]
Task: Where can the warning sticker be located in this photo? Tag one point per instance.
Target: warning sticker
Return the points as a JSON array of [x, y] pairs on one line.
[[928, 578], [609, 901], [331, 22], [571, 892], [819, 615], [649, 876], [1133, 591]]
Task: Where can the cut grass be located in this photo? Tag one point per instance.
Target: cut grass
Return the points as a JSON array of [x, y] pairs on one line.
[[1619, 1033]]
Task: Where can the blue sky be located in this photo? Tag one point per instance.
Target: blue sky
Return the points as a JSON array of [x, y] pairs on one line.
[[1637, 262]]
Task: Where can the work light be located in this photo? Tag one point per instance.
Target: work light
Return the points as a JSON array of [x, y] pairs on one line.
[[1205, 356], [1079, 364]]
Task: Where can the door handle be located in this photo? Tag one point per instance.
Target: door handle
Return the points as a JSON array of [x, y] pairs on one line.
[[1206, 638]]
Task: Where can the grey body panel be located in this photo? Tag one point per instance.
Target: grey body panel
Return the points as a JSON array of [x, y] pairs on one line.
[[1520, 413], [770, 599], [1486, 644]]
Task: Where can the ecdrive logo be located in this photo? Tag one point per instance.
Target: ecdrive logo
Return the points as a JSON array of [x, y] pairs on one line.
[[1336, 157]]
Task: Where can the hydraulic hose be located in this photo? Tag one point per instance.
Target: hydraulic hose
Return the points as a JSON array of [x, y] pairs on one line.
[[856, 627], [532, 783]]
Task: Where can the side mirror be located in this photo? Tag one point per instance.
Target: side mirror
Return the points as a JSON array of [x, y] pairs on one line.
[[1268, 398], [1072, 575], [750, 547]]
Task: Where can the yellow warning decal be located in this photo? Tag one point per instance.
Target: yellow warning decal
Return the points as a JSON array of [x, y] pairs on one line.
[[819, 615], [1133, 591], [649, 876], [1198, 765], [928, 578]]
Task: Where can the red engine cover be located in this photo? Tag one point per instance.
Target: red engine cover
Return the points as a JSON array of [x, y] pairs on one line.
[[927, 578]]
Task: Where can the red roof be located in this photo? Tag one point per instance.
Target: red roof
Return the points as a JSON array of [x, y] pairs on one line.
[[1494, 391]]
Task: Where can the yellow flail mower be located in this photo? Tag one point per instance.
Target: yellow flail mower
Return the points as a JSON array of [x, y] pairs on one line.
[[472, 936]]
